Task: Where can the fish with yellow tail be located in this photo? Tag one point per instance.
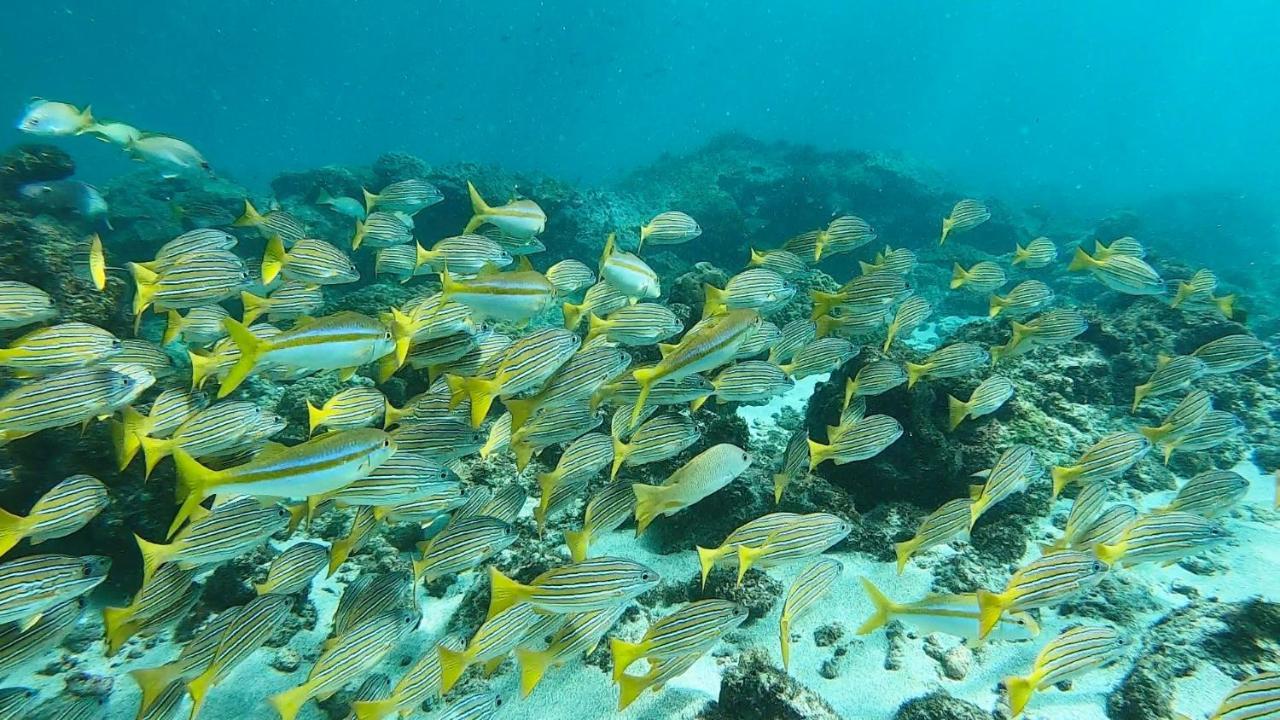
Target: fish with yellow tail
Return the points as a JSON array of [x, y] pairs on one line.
[[406, 196], [949, 521], [753, 288], [753, 532], [810, 586], [1088, 505], [200, 279], [864, 439], [273, 223], [579, 587], [462, 254], [32, 585], [70, 397], [697, 479], [1209, 494], [894, 260], [990, 395], [292, 570], [192, 660], [493, 641], [1038, 253], [1184, 418], [823, 355], [351, 656], [600, 299], [463, 545], [383, 230], [693, 628], [289, 301], [627, 273], [631, 687], [1257, 697], [59, 347], [52, 118], [309, 261], [702, 348], [845, 233], [950, 361], [1045, 582], [206, 432], [581, 632], [1120, 246], [1230, 353], [513, 295], [199, 327], [581, 460], [1125, 274], [1201, 283], [983, 277], [569, 276], [476, 706], [749, 381], [1171, 375], [526, 364], [913, 311], [157, 604], [865, 293], [321, 465], [419, 683], [573, 382], [22, 304], [802, 538], [60, 511], [521, 218], [955, 615], [1069, 655], [607, 508], [1054, 327], [965, 215], [343, 341], [1109, 457], [874, 378], [21, 643], [353, 407], [795, 461], [635, 325], [1214, 429], [1013, 470], [1025, 297], [251, 627], [669, 228], [1164, 537], [784, 262], [229, 530]]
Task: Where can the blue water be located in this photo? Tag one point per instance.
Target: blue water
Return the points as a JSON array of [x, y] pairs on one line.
[[1099, 103]]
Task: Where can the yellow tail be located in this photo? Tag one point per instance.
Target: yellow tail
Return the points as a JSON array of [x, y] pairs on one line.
[[172, 329], [144, 281], [947, 224], [650, 500], [374, 709], [1082, 261], [358, 237], [153, 681], [481, 392], [885, 608], [251, 349], [1139, 393], [990, 607], [153, 451], [823, 302], [370, 200], [1155, 433], [198, 688], [194, 480], [1110, 554], [125, 434], [97, 263], [579, 543], [452, 664], [533, 665], [995, 306], [595, 327], [254, 307], [645, 378], [573, 315], [707, 558], [780, 483], [1020, 254], [915, 372], [757, 258], [153, 556], [273, 259], [479, 209], [713, 302], [818, 453], [784, 641], [620, 452], [630, 687], [503, 592], [523, 452], [957, 411], [289, 702], [890, 335], [1226, 305], [119, 626], [1020, 691], [958, 276], [1062, 477], [521, 410], [12, 529], [904, 551], [203, 367], [315, 417], [850, 387], [249, 218], [624, 654], [748, 556]]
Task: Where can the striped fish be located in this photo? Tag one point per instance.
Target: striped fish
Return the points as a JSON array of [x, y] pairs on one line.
[[1161, 537], [462, 546], [913, 311], [951, 361], [309, 261], [157, 605], [631, 687], [228, 531], [1257, 697], [795, 461], [865, 292], [1171, 375], [499, 436], [256, 622], [783, 262], [749, 381], [856, 323], [475, 706], [363, 521], [1209, 494], [463, 255], [669, 228], [949, 521], [657, 439], [289, 301], [810, 586], [700, 349], [635, 325], [399, 261], [58, 347], [73, 708], [219, 427], [22, 304], [526, 363], [1184, 417], [804, 245], [406, 196], [1125, 274], [753, 288], [1231, 353], [1053, 327], [795, 335], [1216, 428], [692, 482], [1038, 253], [1041, 583], [383, 229], [1087, 507], [521, 218], [800, 539], [1109, 457], [192, 242], [31, 585], [874, 378], [1107, 528], [275, 223], [442, 350], [551, 426], [317, 466], [19, 645], [428, 317], [440, 439], [625, 391], [1202, 283], [627, 273], [955, 615], [983, 277], [422, 510], [693, 628], [351, 656], [580, 634], [60, 511], [506, 504], [492, 641], [201, 326], [199, 279], [1027, 296], [764, 338], [849, 416], [895, 260], [607, 509], [67, 398], [353, 407], [581, 460], [477, 498], [1071, 654], [514, 245], [402, 478], [865, 439], [1013, 470], [600, 299], [570, 276], [987, 398], [752, 532], [965, 215], [292, 570], [369, 595], [419, 683], [374, 687], [820, 356], [843, 234], [1120, 246]]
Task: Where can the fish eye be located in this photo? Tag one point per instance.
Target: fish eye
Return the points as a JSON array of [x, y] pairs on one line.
[[386, 442], [497, 702], [86, 571], [386, 335], [646, 576]]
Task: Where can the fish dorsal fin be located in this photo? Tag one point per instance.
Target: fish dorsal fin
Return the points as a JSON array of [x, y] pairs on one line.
[[609, 244], [488, 270], [666, 348], [1162, 360], [302, 321], [523, 264]]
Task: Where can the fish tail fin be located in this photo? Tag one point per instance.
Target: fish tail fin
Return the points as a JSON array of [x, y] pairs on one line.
[[1062, 477], [153, 451], [1109, 553], [957, 411], [12, 529], [624, 654], [193, 481], [995, 305], [595, 327], [997, 351], [272, 259], [914, 373], [817, 453], [373, 709], [118, 627], [649, 502], [124, 434], [479, 208], [620, 452], [713, 300], [1167, 448], [579, 543], [481, 392], [144, 281], [289, 702], [697, 403], [1020, 691], [86, 119], [884, 608], [358, 237], [572, 315], [1081, 261], [452, 664], [249, 218], [251, 348], [521, 411], [98, 262], [904, 550], [172, 328], [370, 199], [959, 276], [850, 387], [533, 665], [990, 607], [203, 366], [152, 681], [1154, 433], [153, 556], [254, 306], [198, 688], [756, 259], [630, 687], [1139, 393], [1226, 305], [747, 556], [780, 483], [890, 334], [644, 378], [503, 592], [1019, 254], [707, 558], [823, 302], [947, 224], [784, 641], [315, 417], [610, 243]]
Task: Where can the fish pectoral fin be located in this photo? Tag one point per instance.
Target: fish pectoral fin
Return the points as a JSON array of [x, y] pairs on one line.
[[347, 373]]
